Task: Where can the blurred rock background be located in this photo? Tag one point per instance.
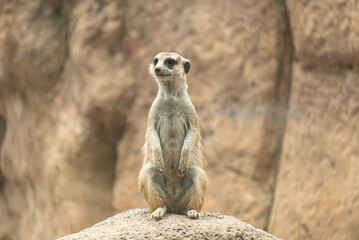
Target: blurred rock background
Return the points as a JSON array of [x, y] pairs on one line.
[[275, 84]]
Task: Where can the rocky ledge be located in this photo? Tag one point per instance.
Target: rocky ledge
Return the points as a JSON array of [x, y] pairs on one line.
[[138, 224]]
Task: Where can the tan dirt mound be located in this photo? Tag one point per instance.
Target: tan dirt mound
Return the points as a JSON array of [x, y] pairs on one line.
[[138, 224]]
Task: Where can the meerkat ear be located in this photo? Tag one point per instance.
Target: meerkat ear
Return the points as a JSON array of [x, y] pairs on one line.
[[186, 66]]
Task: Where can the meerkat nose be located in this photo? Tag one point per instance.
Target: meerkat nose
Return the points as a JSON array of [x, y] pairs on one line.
[[157, 70]]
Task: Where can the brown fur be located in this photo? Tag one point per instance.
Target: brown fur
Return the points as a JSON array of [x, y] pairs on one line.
[[172, 177]]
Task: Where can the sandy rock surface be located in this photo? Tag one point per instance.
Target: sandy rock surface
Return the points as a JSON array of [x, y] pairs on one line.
[[137, 224]]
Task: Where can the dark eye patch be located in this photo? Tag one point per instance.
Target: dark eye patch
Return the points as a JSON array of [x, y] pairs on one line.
[[155, 61], [170, 62]]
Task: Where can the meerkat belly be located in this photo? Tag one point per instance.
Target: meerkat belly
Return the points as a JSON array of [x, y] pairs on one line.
[[172, 133]]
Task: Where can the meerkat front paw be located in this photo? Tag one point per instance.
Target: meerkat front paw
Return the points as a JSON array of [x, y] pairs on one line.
[[183, 163], [192, 214], [158, 213], [159, 171], [158, 159], [182, 171]]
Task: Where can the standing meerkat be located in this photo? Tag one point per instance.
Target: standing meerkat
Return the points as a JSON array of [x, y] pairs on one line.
[[172, 178]]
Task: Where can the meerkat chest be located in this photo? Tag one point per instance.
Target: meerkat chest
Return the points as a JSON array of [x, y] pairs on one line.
[[172, 120]]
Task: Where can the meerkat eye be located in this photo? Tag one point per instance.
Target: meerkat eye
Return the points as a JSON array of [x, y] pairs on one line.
[[171, 62], [155, 61]]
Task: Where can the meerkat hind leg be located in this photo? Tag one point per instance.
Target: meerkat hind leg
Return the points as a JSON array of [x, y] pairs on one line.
[[192, 214], [159, 213]]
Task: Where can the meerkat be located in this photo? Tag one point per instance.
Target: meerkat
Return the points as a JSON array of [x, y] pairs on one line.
[[172, 178]]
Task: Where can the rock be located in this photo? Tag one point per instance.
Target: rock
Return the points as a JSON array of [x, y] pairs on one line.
[[329, 42], [138, 224], [318, 175], [57, 156], [317, 191]]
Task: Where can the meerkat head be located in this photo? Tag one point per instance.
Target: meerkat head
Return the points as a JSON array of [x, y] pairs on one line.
[[167, 66]]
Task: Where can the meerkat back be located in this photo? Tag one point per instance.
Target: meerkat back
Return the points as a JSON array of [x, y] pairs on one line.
[[172, 178]]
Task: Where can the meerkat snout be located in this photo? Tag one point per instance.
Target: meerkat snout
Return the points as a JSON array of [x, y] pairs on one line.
[[167, 65]]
